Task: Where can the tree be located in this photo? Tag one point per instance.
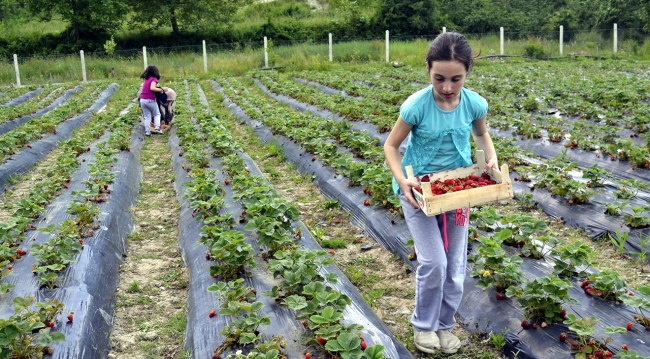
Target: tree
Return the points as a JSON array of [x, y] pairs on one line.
[[410, 17], [89, 19], [190, 15]]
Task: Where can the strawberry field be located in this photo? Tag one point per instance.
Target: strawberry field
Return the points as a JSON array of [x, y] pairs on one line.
[[263, 282]]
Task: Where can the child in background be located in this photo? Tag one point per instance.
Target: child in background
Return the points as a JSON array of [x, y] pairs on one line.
[[148, 103]]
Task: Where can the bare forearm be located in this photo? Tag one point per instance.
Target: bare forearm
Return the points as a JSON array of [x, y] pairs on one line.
[[484, 142]]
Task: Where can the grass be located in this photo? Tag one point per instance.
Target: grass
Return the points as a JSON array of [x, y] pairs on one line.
[[188, 61]]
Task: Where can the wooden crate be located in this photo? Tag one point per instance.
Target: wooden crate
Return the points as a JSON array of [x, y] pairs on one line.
[[432, 205]]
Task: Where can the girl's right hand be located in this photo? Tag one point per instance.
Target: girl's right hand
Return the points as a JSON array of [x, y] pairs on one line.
[[406, 186]]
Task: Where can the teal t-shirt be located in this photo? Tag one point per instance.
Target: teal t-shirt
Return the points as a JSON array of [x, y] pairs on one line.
[[439, 139]]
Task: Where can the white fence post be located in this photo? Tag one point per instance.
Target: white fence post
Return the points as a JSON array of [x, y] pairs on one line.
[[501, 38], [387, 47], [83, 65], [17, 72], [561, 39], [330, 36], [144, 56], [615, 38], [205, 59], [444, 29], [266, 54]]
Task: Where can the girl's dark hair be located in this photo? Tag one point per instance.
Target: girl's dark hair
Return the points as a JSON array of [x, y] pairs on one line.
[[450, 46], [150, 71]]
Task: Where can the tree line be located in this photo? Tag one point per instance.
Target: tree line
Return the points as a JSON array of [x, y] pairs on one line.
[[90, 23]]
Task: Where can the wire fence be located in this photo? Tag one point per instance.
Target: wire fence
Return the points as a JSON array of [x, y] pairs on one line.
[[237, 57]]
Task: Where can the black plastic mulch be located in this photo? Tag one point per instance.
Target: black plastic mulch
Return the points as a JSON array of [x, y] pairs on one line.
[[87, 286], [203, 334], [23, 160], [10, 125]]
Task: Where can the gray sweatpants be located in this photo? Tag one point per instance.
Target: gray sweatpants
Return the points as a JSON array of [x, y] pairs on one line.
[[149, 109], [440, 276]]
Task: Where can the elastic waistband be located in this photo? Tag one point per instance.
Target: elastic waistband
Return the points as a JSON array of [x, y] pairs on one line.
[[147, 100]]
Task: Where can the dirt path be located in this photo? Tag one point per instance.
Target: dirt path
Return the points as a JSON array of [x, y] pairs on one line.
[[150, 315]]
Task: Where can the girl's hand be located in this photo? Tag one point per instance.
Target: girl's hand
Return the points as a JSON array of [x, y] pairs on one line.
[[406, 186], [493, 163], [166, 89]]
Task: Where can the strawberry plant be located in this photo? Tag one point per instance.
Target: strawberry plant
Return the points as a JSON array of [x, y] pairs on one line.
[[86, 212], [243, 329], [629, 188], [272, 220], [607, 284], [24, 335], [299, 268], [229, 248], [493, 266], [644, 247], [641, 305], [596, 175], [637, 219], [615, 208], [348, 346], [543, 298], [586, 346], [485, 218], [573, 259]]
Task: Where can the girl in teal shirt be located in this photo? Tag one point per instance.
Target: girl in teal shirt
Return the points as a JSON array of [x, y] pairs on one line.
[[439, 119]]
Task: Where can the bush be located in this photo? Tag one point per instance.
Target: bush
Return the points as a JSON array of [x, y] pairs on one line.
[[535, 50]]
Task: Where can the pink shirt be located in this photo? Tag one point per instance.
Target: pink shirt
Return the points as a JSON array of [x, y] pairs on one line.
[[146, 89]]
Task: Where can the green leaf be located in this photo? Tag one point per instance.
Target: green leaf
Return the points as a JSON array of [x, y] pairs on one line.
[[349, 341], [375, 352], [615, 330]]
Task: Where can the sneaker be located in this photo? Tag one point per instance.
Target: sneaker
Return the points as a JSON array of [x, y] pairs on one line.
[[426, 341], [147, 134], [449, 343], [157, 131]]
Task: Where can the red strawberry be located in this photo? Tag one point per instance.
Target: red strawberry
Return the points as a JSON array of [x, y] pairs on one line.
[[21, 252], [363, 344], [534, 326], [50, 324], [207, 256], [584, 284], [88, 149], [331, 251], [499, 296], [243, 213], [628, 326], [563, 314], [308, 356], [631, 294], [458, 188], [366, 203], [70, 317], [449, 182], [321, 340], [212, 313], [30, 146], [226, 182], [524, 324], [599, 354], [105, 187], [608, 354], [624, 347], [65, 186], [313, 158], [563, 337], [305, 324]]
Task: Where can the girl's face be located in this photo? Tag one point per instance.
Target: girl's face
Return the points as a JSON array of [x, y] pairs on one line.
[[447, 78]]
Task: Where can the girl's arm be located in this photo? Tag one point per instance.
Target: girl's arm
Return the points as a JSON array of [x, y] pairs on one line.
[[391, 151], [484, 142], [153, 87]]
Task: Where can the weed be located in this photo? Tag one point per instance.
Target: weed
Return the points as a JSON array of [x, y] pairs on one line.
[[333, 243]]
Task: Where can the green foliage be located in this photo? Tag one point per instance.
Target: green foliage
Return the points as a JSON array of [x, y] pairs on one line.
[[535, 50], [543, 298]]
